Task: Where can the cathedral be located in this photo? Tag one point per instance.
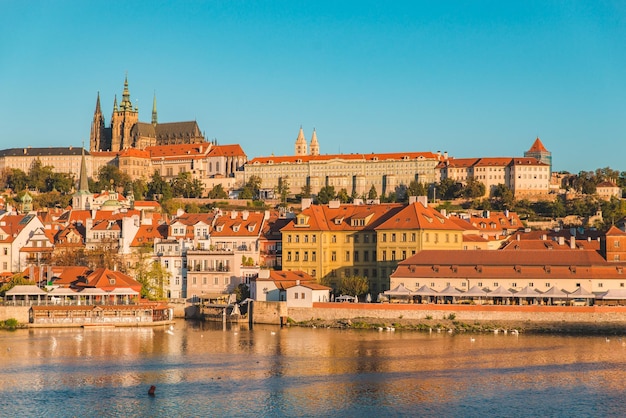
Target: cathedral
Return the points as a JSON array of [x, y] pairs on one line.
[[125, 130]]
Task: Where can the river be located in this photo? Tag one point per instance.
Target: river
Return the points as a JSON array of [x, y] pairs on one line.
[[203, 369]]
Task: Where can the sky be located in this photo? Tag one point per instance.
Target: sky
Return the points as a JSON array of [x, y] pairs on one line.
[[473, 78]]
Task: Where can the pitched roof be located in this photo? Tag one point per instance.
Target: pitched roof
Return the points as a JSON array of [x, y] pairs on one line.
[[192, 151], [344, 217], [537, 146], [417, 216], [233, 150], [41, 152]]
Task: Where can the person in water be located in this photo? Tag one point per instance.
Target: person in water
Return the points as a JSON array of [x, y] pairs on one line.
[[151, 390]]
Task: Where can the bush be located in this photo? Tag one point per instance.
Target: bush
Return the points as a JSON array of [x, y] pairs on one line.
[[11, 324]]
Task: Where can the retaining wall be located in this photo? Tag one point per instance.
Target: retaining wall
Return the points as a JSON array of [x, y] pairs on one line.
[[335, 311], [18, 312]]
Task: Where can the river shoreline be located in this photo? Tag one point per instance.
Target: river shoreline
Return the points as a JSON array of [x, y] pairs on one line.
[[460, 326]]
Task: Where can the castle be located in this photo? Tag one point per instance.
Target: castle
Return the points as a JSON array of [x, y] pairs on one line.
[[125, 131]]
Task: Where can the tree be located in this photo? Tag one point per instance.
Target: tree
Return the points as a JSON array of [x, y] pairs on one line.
[[61, 182], [38, 176], [158, 188], [151, 274], [251, 188], [372, 194], [140, 189], [70, 257], [217, 192], [306, 191], [416, 189], [17, 180], [283, 190], [111, 176], [503, 197], [473, 189], [242, 292], [354, 285], [343, 196], [449, 189], [52, 199], [326, 194], [17, 280]]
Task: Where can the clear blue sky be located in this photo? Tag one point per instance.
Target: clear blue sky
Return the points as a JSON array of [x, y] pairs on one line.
[[474, 78]]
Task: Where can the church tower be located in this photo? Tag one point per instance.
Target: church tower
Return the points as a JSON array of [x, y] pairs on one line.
[[97, 138], [82, 198], [122, 121], [301, 143], [538, 151], [315, 146], [155, 119]]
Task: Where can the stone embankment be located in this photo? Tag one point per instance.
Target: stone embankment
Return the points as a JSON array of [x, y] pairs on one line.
[[464, 318]]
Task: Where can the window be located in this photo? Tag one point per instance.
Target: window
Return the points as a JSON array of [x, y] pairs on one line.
[[356, 239], [426, 237], [600, 285], [297, 238], [333, 255], [513, 284], [384, 237], [404, 237], [495, 284], [479, 284], [204, 280], [366, 238], [297, 258], [393, 255], [333, 238], [313, 256], [193, 280], [356, 256], [288, 255], [216, 281], [616, 244], [288, 238], [313, 238], [366, 256], [413, 236], [547, 284], [403, 254], [347, 255], [384, 252], [306, 238], [302, 294], [166, 263], [393, 237], [306, 256], [295, 295]]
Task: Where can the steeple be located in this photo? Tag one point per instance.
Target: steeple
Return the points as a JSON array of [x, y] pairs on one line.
[[154, 112], [315, 146], [301, 143], [115, 103], [83, 183], [126, 104], [98, 111]]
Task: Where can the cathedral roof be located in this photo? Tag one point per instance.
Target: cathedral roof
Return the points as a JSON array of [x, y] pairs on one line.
[[178, 129], [143, 129]]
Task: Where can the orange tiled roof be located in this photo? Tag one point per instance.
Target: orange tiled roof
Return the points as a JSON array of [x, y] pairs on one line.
[[225, 226], [364, 157], [191, 151], [325, 218], [537, 146], [417, 216], [233, 150]]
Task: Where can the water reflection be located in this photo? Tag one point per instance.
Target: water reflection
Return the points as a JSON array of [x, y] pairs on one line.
[[203, 369]]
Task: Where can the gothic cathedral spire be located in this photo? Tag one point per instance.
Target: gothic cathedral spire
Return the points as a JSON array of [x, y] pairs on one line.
[[155, 120], [97, 136], [301, 143]]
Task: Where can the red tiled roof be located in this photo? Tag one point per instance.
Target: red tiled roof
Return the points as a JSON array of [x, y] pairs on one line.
[[191, 151], [363, 157], [417, 216], [233, 150], [537, 146]]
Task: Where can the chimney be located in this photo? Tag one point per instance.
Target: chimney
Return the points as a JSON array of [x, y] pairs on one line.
[[244, 215], [561, 240], [306, 203], [334, 204], [233, 214], [572, 242], [412, 199], [297, 282], [423, 200]]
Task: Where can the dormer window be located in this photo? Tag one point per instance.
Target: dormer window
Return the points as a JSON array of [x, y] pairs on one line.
[[219, 228], [236, 228], [251, 227]]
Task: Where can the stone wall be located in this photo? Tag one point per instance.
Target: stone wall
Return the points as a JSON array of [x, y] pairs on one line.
[[269, 312], [336, 311], [18, 312]]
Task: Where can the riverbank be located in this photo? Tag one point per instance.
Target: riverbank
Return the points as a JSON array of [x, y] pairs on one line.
[[456, 326]]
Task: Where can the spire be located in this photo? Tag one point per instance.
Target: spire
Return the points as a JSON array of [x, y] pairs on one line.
[[98, 111], [126, 104], [154, 111], [301, 143], [115, 103], [83, 183], [315, 146]]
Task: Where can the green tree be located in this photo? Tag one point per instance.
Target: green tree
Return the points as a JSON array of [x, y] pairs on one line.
[[416, 189], [140, 189], [503, 197], [306, 191], [52, 199], [354, 285], [158, 188], [242, 292], [283, 190], [473, 189], [251, 188], [218, 192], [109, 176], [38, 176], [61, 182], [343, 196], [372, 194], [326, 194], [17, 180], [17, 280], [448, 189]]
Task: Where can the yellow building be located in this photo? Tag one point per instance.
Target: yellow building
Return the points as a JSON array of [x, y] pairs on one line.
[[333, 241]]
